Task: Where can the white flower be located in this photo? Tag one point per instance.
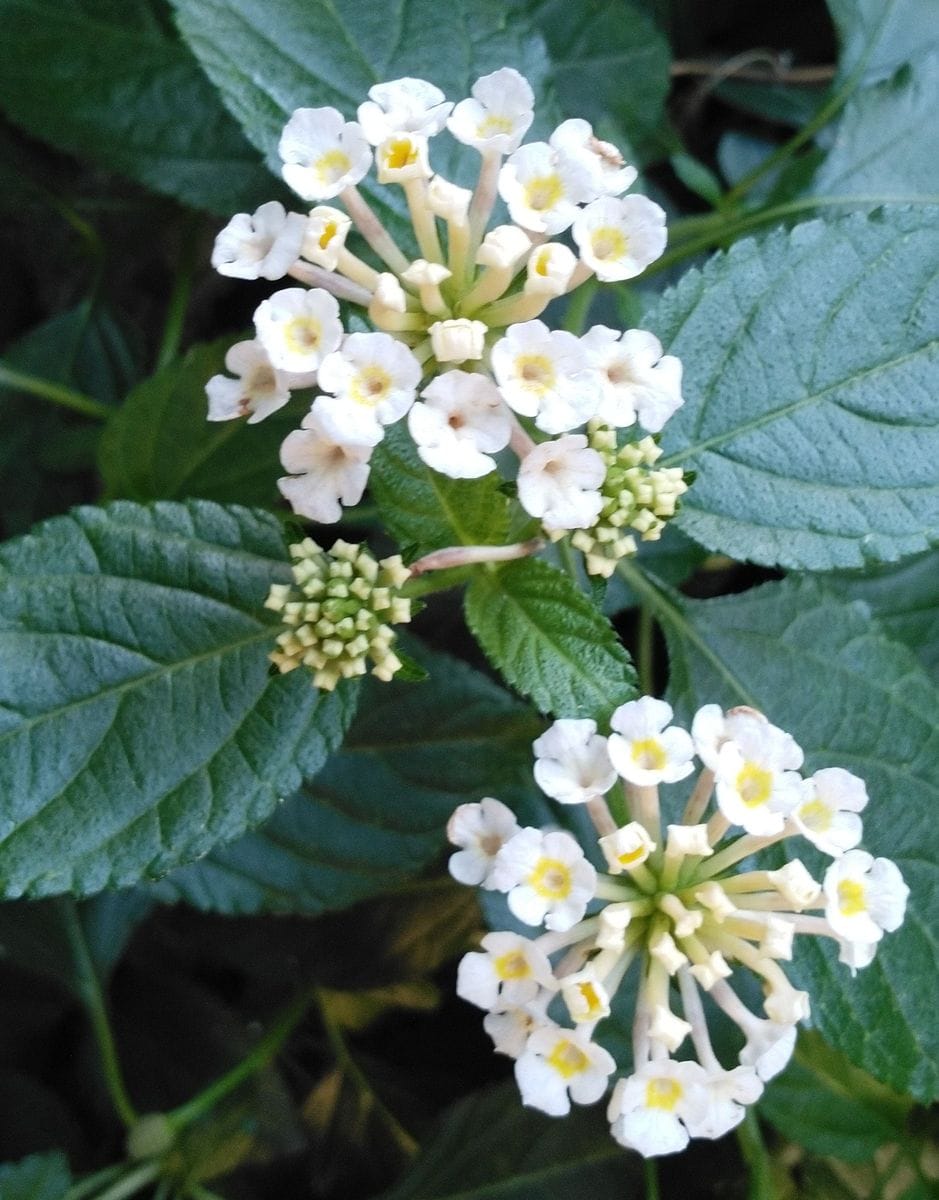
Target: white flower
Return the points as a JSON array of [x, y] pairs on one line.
[[547, 878], [558, 482], [511, 971], [323, 153], [585, 996], [571, 762], [560, 1065], [373, 379], [262, 246], [325, 473], [499, 114], [402, 157], [856, 955], [637, 379], [827, 816], [865, 896], [504, 248], [543, 373], [652, 1110], [758, 784], [511, 1029], [403, 106], [298, 327], [447, 201], [609, 175], [543, 189], [459, 423], [457, 340], [549, 270], [325, 236], [768, 1047], [728, 1094], [618, 238], [480, 830], [259, 390], [627, 848], [644, 748]]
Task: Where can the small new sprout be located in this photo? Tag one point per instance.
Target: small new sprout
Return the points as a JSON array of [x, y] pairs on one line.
[[498, 115], [262, 246], [323, 154], [459, 423], [558, 482], [480, 830], [645, 749], [828, 814], [259, 389], [298, 328], [619, 238], [324, 473], [403, 106], [572, 765]]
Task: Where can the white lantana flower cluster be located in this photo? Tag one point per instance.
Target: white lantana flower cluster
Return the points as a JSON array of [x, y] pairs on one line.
[[671, 906], [457, 346]]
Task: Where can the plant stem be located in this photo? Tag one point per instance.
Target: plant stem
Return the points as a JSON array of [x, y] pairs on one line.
[[179, 298], [131, 1183], [90, 1184], [646, 651], [652, 1178], [259, 1057], [578, 308], [753, 1149], [89, 987], [58, 393]]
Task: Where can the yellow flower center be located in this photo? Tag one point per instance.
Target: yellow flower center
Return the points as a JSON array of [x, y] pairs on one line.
[[608, 242], [332, 165], [755, 784], [401, 153], [649, 753], [663, 1093], [371, 385], [851, 898], [816, 815], [594, 1004], [540, 266], [492, 125], [568, 1059], [551, 879], [535, 371], [302, 334], [513, 965], [631, 856], [543, 192], [330, 229]]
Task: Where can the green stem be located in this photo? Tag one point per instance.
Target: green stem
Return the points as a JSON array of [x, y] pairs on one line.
[[755, 1155], [89, 987], [58, 393], [578, 307], [131, 1183], [90, 1184], [179, 298], [652, 1178], [259, 1057], [568, 562], [646, 651]]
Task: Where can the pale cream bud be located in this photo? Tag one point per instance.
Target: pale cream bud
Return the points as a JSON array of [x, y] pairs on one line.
[[504, 247], [688, 839], [447, 201], [550, 268], [627, 848], [664, 949], [796, 885], [457, 340], [668, 1029]]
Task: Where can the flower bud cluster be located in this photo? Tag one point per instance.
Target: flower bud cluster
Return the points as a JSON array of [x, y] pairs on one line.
[[457, 347], [669, 906], [636, 496], [339, 611]]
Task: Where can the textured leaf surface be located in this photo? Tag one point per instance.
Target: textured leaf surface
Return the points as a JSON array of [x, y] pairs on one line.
[[307, 53], [423, 508], [851, 697], [139, 722], [812, 389], [889, 32], [159, 445], [375, 814], [487, 1147], [610, 63], [548, 640], [40, 1177], [113, 82]]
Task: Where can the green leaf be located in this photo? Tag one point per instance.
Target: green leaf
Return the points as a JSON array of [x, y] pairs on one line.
[[609, 62], [672, 558], [307, 53], [139, 722], [812, 387], [905, 601], [375, 813], [889, 32], [488, 1147], [549, 641], [821, 669], [830, 1107], [887, 143], [159, 445], [423, 508], [782, 103], [40, 1177], [112, 82]]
